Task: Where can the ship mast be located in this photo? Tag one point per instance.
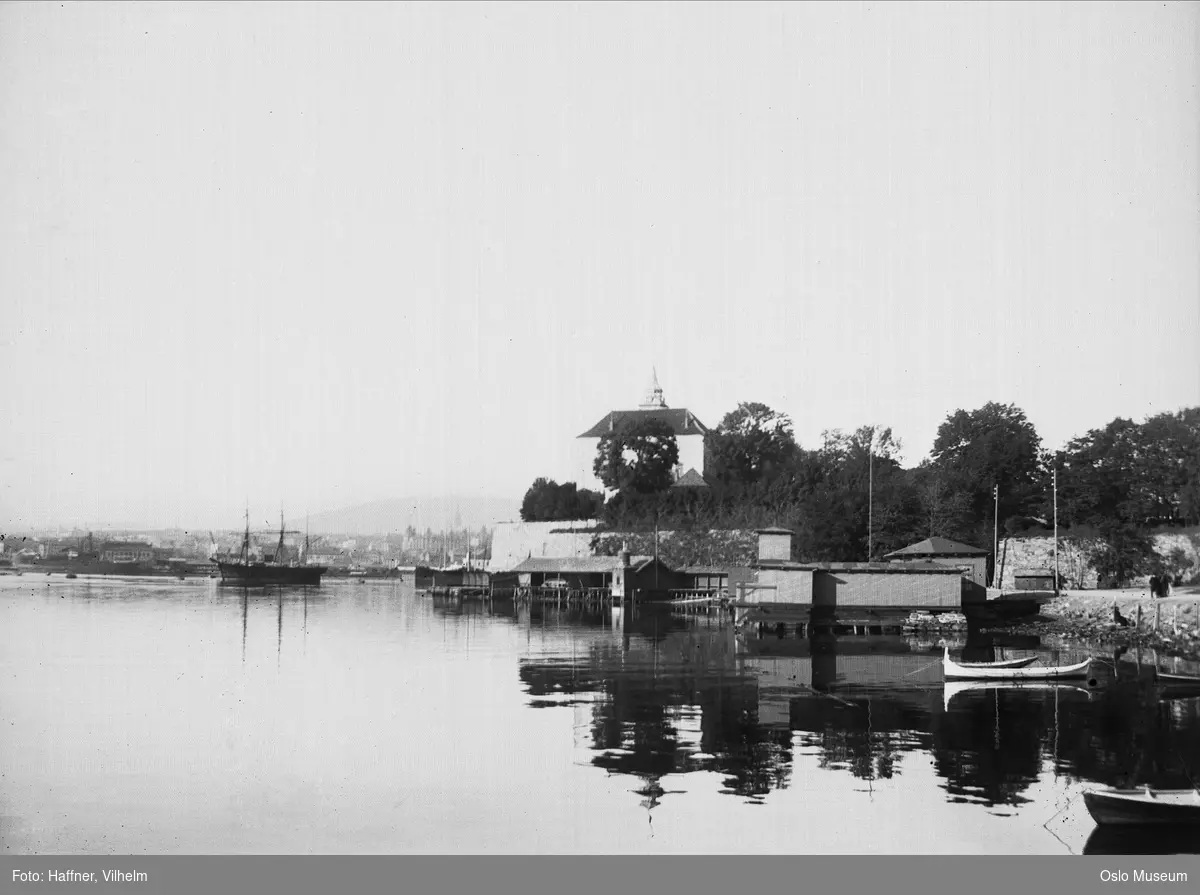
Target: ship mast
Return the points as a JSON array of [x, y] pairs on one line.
[[246, 538], [279, 549]]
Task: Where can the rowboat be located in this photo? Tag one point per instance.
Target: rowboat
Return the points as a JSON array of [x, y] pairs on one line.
[[1175, 807], [1003, 663], [1177, 686], [958, 671], [960, 688]]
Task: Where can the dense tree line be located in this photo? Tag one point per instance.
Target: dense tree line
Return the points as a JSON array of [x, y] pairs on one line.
[[548, 501], [850, 499]]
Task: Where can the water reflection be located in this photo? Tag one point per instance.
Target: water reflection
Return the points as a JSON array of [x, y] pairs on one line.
[[859, 703], [1113, 840], [380, 719]]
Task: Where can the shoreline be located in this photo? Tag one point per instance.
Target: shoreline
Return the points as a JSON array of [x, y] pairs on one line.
[[1170, 625]]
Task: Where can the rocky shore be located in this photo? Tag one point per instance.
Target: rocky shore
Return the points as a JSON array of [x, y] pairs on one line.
[[1171, 626]]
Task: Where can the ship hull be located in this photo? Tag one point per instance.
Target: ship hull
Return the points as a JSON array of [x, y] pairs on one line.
[[262, 574]]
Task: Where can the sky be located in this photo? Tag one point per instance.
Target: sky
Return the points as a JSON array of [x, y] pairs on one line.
[[317, 254]]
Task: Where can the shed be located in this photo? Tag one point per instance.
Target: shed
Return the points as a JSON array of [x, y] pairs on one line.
[[971, 561], [1034, 579]]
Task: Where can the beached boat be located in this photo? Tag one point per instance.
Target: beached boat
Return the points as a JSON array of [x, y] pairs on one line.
[[959, 671], [962, 688], [1170, 807]]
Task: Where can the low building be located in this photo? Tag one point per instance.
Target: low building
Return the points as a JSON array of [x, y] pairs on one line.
[[832, 585], [705, 578], [118, 551], [639, 577], [971, 561], [577, 572], [1034, 579]]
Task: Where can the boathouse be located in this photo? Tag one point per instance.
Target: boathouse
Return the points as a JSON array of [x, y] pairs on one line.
[[829, 585], [971, 561], [643, 577], [708, 579], [576, 572]]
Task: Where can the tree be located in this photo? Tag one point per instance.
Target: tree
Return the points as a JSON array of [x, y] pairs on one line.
[[1166, 467], [1095, 476], [1135, 474], [994, 446], [752, 443], [859, 503], [638, 458], [548, 501], [945, 507]]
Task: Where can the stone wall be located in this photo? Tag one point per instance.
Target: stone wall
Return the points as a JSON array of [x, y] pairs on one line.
[[1074, 557], [514, 542]]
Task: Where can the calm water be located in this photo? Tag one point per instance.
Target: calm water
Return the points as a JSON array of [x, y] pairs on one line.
[[180, 717]]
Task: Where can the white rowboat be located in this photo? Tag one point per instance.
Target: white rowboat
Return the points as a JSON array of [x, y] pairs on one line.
[[1003, 663], [957, 671], [959, 688]]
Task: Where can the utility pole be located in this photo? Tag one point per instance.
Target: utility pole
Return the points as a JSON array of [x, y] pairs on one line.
[[870, 496], [656, 548], [995, 534], [870, 493], [1055, 482]]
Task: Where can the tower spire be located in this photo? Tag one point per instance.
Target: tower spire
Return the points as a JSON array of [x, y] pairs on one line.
[[654, 397]]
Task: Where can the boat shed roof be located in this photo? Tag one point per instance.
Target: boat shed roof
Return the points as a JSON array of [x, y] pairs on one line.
[[578, 565], [885, 568]]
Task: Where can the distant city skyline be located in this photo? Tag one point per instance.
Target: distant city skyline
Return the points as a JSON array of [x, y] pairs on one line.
[[319, 255]]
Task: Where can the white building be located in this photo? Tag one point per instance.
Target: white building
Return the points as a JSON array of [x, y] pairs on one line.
[[689, 436]]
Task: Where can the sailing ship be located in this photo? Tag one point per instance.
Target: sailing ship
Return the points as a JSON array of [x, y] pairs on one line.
[[245, 571]]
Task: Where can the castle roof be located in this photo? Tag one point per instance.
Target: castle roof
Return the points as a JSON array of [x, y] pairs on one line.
[[681, 421]]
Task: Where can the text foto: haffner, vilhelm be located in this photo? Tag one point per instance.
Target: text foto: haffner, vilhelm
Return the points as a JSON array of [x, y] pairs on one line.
[[74, 876], [1143, 876]]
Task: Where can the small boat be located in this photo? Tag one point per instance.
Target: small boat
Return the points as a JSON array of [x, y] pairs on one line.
[[72, 575], [957, 671], [1174, 807], [960, 688], [1177, 686], [1023, 662]]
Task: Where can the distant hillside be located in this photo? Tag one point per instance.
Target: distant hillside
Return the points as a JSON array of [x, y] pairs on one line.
[[395, 515]]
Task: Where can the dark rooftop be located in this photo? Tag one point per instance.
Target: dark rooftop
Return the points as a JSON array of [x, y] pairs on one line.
[[938, 547], [681, 421]]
